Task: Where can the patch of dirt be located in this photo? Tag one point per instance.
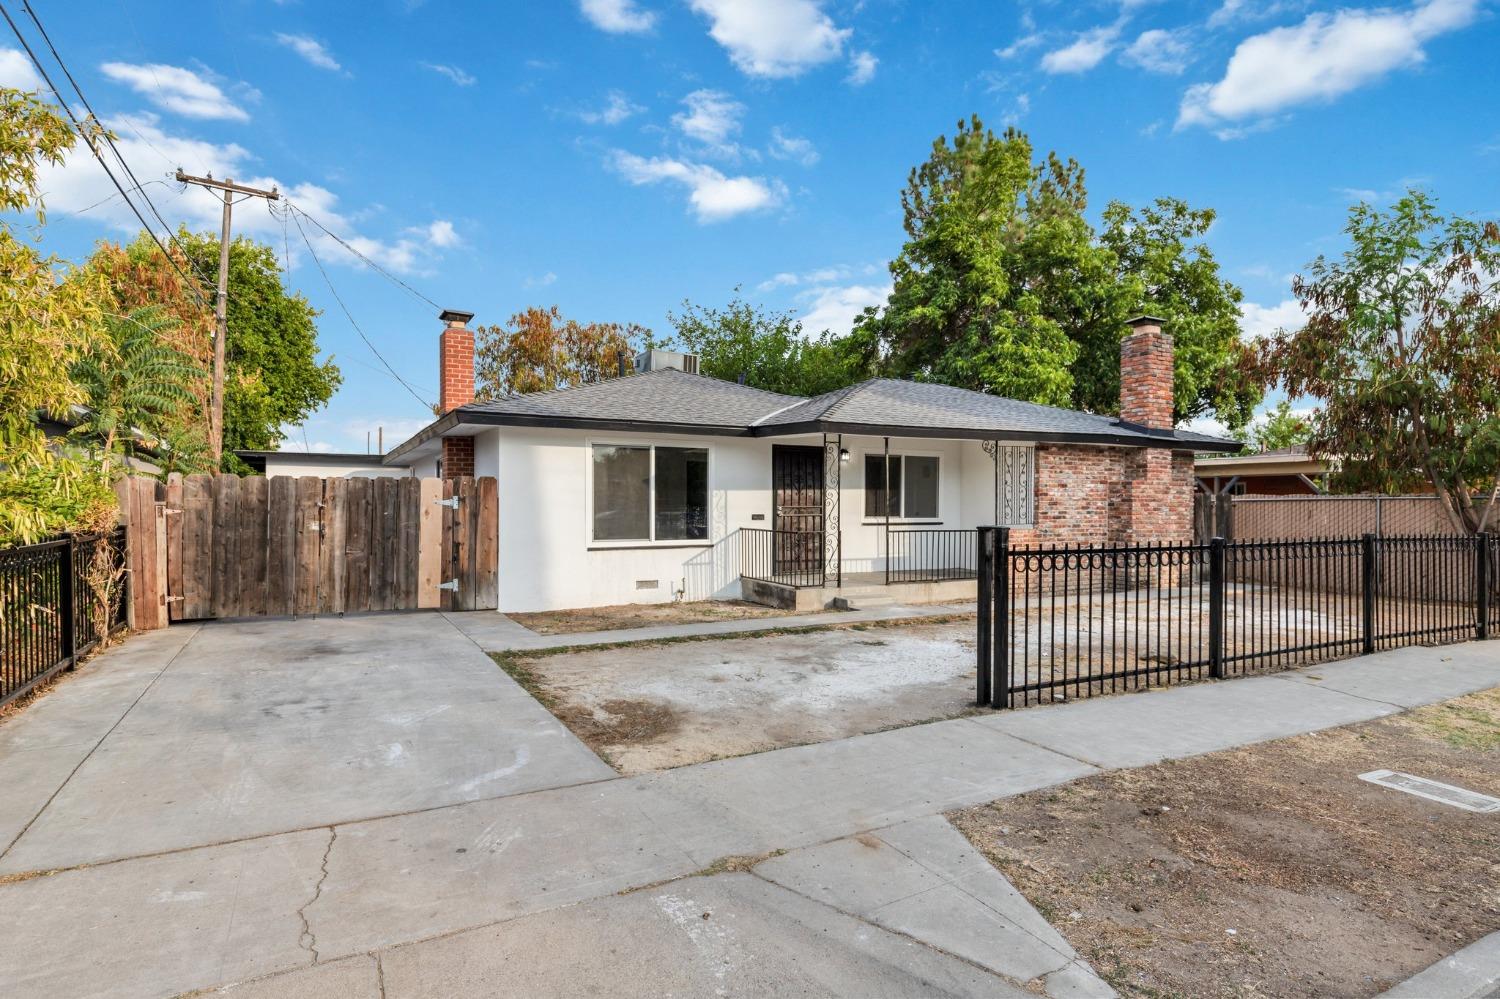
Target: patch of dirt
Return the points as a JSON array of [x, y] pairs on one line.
[[1270, 870], [620, 616], [655, 705]]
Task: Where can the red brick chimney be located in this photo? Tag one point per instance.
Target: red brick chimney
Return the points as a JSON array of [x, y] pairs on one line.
[[1146, 375], [455, 361]]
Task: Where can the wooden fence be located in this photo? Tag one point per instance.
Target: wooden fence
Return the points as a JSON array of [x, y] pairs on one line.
[[224, 546]]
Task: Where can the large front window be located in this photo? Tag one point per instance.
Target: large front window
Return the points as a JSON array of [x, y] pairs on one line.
[[647, 493], [901, 485]]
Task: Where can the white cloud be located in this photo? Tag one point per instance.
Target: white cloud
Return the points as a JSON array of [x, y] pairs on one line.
[[1086, 51], [1263, 320], [617, 107], [714, 196], [712, 118], [620, 17], [310, 49], [773, 38], [1020, 45], [791, 147], [1159, 51], [17, 72], [1324, 57], [541, 282], [78, 183], [454, 73], [835, 309], [1236, 11], [175, 89], [441, 233], [817, 276], [783, 280], [861, 68]]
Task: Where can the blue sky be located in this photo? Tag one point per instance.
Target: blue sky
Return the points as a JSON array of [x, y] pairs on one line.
[[615, 157]]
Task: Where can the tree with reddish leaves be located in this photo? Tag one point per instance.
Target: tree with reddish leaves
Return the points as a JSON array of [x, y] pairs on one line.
[[538, 350], [1402, 345]]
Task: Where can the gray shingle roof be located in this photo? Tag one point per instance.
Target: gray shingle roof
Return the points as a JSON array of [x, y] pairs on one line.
[[666, 395], [678, 402]]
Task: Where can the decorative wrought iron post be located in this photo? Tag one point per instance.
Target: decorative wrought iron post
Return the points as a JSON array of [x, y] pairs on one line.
[[1368, 582], [1216, 608], [67, 583], [1482, 580], [985, 564], [833, 556], [1000, 685], [992, 448]]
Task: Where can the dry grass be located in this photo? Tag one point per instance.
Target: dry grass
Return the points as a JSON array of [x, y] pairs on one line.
[[1270, 870], [623, 616]]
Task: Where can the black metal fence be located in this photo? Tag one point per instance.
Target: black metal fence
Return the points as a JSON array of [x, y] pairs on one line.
[[790, 558], [1062, 623], [919, 556], [50, 614]]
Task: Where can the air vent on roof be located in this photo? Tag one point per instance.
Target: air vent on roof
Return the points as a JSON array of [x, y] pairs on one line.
[[655, 359]]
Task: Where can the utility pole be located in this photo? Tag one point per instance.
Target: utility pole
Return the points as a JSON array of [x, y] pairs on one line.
[[226, 189]]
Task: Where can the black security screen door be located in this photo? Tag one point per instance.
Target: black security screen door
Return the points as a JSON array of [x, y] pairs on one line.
[[797, 490]]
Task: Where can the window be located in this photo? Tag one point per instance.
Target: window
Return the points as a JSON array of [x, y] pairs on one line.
[[644, 493], [904, 486]]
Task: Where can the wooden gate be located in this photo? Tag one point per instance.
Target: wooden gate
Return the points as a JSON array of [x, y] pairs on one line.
[[248, 547]]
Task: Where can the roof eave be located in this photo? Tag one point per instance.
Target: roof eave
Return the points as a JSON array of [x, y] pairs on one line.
[[1160, 440]]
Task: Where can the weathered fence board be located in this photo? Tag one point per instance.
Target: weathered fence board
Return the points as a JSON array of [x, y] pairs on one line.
[[233, 547]]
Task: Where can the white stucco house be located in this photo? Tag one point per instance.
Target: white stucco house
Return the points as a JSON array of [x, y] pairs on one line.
[[665, 484]]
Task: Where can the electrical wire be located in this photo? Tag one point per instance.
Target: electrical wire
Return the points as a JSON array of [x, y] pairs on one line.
[[348, 315], [83, 133], [109, 141], [381, 270]]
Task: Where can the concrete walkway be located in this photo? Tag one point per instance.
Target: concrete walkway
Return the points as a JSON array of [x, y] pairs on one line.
[[498, 633], [249, 817]]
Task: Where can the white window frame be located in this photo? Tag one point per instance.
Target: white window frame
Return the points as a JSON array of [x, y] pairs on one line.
[[864, 487], [651, 542], [1027, 492]]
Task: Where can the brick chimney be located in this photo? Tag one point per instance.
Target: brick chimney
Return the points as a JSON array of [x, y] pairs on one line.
[[455, 360], [1146, 375]]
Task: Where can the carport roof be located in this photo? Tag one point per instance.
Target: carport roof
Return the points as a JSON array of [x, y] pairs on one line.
[[671, 401]]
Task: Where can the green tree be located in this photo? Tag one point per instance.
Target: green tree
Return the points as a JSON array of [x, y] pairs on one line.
[[1282, 428], [767, 348], [538, 350], [1402, 345], [1004, 286], [273, 377], [133, 383]]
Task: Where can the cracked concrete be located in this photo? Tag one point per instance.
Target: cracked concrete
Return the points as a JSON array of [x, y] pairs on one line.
[[245, 815]]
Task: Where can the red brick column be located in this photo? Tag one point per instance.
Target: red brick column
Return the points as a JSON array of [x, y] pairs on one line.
[[455, 361], [458, 456]]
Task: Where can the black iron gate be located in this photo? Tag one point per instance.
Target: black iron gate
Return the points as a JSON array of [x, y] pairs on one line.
[[797, 491]]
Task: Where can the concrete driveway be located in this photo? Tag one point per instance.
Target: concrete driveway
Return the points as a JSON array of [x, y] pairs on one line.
[[369, 807]]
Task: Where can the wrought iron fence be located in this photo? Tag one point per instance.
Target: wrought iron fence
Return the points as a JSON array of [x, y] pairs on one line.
[[1063, 623], [51, 609], [919, 556], [790, 558]]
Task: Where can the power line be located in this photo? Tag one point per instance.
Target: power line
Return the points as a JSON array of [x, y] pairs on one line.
[[348, 315], [381, 270], [109, 140], [84, 134]]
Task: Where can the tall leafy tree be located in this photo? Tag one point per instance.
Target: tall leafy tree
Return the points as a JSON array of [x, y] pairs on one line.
[[767, 348], [1003, 285], [1282, 428], [538, 350], [134, 383], [1402, 345], [273, 375]]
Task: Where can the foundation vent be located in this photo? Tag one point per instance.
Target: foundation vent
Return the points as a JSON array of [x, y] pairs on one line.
[[648, 584]]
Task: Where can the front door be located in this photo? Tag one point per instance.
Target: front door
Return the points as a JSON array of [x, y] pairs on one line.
[[797, 491]]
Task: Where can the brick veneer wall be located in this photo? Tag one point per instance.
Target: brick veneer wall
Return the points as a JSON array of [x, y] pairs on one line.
[[458, 456], [1109, 496]]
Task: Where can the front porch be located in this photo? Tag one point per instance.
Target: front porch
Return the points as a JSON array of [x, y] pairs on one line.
[[858, 590]]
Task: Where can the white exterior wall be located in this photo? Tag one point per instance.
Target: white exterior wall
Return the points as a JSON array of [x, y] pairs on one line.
[[336, 471], [864, 537]]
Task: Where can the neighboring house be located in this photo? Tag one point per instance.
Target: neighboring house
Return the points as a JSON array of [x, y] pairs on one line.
[[329, 466], [1287, 471], [664, 485], [58, 431]]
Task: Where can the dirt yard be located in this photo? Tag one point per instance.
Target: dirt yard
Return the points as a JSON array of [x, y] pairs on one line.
[[572, 622], [1271, 870], [658, 705]]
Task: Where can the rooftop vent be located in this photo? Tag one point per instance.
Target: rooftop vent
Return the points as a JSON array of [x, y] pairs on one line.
[[656, 359]]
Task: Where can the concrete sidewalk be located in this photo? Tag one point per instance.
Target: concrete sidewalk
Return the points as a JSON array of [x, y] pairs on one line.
[[494, 864]]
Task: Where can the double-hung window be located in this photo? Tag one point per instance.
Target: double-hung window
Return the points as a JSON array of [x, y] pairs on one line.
[[646, 493], [904, 486]]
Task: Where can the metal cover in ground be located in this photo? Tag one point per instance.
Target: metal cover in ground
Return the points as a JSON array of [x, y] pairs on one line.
[[1470, 801]]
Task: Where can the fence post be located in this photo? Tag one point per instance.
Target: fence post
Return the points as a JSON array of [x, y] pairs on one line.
[[1367, 578], [1216, 608], [66, 594], [1000, 585], [1482, 578], [985, 572]]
